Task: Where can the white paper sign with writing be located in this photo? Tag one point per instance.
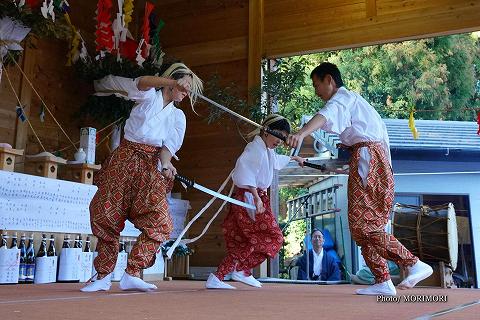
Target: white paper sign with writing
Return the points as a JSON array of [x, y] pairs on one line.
[[9, 265], [46, 269], [42, 204], [69, 264], [86, 264]]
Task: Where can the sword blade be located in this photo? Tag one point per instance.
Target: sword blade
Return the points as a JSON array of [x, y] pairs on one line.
[[223, 197], [218, 105]]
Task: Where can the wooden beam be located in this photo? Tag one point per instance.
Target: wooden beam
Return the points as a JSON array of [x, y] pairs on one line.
[[371, 8], [255, 42]]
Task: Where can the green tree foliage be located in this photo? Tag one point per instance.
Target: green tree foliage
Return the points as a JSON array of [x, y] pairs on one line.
[[438, 75]]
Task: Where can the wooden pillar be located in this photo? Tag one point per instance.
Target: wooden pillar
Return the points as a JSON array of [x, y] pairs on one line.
[[255, 55], [255, 43], [25, 94]]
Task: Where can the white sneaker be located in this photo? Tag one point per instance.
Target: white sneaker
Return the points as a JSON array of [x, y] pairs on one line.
[[103, 284], [214, 283], [385, 288], [416, 273], [131, 283], [250, 280]]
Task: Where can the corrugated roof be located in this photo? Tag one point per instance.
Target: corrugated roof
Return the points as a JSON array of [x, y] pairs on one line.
[[433, 134]]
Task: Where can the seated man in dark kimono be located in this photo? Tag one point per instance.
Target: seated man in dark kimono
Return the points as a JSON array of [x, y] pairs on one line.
[[322, 264]]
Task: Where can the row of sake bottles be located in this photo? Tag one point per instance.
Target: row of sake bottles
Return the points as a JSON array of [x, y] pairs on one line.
[[20, 264]]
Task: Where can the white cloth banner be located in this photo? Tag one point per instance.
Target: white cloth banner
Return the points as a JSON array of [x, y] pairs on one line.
[[35, 203]]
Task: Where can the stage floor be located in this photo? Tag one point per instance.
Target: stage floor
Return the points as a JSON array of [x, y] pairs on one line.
[[190, 300]]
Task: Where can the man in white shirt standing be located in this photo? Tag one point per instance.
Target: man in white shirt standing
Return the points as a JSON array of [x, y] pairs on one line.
[[370, 182]]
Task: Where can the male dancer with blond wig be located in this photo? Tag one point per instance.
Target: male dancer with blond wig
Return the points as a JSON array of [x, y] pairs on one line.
[[136, 177]]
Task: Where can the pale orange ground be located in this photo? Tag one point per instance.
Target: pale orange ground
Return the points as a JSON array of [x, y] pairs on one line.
[[189, 300]]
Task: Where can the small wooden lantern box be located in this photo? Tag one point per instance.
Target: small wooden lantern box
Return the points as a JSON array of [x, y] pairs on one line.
[[82, 172], [7, 158], [46, 166]]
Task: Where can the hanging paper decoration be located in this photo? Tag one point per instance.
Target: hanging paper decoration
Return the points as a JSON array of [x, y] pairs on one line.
[[119, 30], [104, 32], [128, 49], [411, 125], [20, 114], [63, 5], [478, 122], [127, 12], [33, 3], [47, 9], [146, 29], [42, 113], [12, 32], [158, 53]]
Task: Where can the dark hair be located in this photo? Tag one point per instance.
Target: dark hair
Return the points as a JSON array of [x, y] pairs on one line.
[[328, 68], [316, 230], [280, 125]]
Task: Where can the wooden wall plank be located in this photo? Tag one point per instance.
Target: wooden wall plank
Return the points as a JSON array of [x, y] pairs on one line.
[[371, 8], [211, 52]]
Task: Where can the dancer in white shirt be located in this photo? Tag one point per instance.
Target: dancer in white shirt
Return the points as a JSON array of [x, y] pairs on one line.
[[136, 177], [370, 182], [253, 236]]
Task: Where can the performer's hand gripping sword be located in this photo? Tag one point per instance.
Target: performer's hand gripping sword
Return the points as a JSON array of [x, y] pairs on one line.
[[191, 183]]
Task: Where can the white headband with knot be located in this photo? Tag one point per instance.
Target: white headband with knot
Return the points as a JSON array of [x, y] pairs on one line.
[[271, 118], [197, 85]]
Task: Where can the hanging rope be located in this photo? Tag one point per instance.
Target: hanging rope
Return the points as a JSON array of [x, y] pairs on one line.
[[43, 102], [104, 128], [20, 105]]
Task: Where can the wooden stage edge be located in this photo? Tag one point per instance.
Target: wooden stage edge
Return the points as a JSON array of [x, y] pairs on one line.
[[190, 300]]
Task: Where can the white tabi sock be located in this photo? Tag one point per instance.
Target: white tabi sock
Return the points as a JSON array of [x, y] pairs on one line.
[[103, 284], [250, 280], [214, 283], [384, 288], [416, 273], [131, 283]]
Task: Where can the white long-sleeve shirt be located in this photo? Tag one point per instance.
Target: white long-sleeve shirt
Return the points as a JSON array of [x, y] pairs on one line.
[[149, 122], [255, 165], [355, 120]]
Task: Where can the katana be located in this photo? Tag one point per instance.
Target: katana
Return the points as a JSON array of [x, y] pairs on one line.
[[253, 123], [192, 184], [189, 182]]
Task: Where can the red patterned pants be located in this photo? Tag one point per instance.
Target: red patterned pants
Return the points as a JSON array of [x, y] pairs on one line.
[[369, 210], [130, 187], [248, 242]]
